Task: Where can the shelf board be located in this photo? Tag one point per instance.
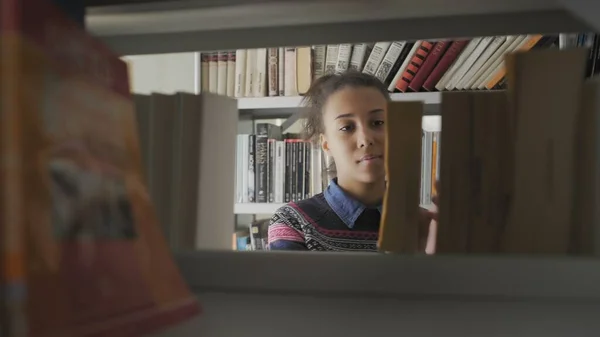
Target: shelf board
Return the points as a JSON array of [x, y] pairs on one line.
[[256, 208], [294, 102], [399, 276], [182, 26]]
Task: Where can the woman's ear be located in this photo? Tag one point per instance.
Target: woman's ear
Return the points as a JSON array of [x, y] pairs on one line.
[[324, 143]]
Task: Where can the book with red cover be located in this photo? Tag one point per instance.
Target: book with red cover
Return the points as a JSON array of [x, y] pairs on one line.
[[436, 53], [444, 64], [81, 252], [413, 67]]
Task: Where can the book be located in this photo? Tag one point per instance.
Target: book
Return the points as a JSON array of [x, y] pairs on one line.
[[82, 253]]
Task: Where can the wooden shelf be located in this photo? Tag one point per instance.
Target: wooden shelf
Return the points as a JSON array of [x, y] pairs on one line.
[[256, 208], [394, 276], [179, 26]]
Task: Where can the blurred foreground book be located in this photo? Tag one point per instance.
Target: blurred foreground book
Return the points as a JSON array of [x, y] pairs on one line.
[[81, 252]]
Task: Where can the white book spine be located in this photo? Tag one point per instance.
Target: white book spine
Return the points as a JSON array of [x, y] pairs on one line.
[[273, 71], [507, 47], [357, 59], [500, 65], [231, 60], [343, 58], [331, 58], [469, 62], [250, 70], [279, 170], [390, 58], [240, 72], [281, 73], [485, 56], [260, 81], [377, 55], [441, 85], [290, 72], [405, 63], [213, 72], [222, 73], [319, 53]]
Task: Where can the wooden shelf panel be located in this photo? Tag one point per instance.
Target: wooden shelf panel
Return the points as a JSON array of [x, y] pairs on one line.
[[154, 28], [394, 276]]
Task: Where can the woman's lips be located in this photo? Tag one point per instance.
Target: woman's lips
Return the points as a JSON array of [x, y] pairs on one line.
[[370, 158]]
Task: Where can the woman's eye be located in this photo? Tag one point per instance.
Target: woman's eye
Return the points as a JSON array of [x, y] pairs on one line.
[[346, 128], [378, 123]]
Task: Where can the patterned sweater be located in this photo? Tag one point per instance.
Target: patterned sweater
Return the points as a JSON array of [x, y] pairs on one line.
[[329, 221]]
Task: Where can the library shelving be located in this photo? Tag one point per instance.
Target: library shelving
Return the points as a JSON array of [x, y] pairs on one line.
[[256, 208], [283, 102], [275, 293]]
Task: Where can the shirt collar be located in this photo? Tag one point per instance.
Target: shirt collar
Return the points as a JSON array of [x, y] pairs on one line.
[[345, 207]]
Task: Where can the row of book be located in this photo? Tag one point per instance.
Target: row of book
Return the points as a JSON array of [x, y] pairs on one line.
[[276, 168], [252, 237], [468, 64]]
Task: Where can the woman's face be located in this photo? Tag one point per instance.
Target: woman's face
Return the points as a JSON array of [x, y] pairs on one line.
[[353, 120]]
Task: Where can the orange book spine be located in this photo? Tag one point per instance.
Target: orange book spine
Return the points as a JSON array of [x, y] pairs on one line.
[[500, 73]]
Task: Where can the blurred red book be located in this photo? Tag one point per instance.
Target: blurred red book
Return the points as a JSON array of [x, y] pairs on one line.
[[81, 252]]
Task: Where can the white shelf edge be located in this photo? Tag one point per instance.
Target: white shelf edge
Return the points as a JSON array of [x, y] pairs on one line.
[[282, 102], [394, 276], [256, 208]]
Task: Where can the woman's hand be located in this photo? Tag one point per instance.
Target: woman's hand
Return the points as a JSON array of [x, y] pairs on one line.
[[428, 224]]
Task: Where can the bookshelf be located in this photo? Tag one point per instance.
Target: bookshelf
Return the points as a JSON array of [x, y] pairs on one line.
[[421, 296], [256, 208], [284, 102]]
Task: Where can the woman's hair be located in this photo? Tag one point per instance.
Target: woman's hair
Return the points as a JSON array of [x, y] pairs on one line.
[[327, 85]]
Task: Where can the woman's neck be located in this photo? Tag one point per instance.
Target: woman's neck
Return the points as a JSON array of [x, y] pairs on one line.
[[370, 194]]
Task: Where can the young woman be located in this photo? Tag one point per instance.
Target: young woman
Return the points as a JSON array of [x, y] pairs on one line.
[[346, 117]]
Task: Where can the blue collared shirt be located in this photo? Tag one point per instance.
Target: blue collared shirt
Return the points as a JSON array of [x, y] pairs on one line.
[[346, 207]]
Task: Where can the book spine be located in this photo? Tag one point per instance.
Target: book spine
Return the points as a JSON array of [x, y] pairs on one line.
[[357, 58], [414, 65], [281, 71], [376, 56], [262, 155], [231, 62], [204, 72], [343, 58], [271, 170], [390, 58], [331, 58], [300, 171], [273, 71], [436, 74], [251, 166], [403, 65], [240, 73], [222, 73], [439, 48], [260, 80], [307, 169], [288, 170], [290, 86], [319, 52]]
